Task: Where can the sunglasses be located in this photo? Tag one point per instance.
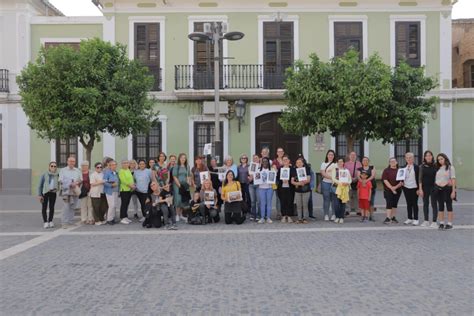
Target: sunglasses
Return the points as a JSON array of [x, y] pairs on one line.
[[52, 166], [98, 167]]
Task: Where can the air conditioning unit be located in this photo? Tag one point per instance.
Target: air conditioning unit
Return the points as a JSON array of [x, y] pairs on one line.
[[208, 107]]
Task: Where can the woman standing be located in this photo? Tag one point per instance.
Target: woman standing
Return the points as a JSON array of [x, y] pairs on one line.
[[277, 163], [127, 186], [391, 190], [253, 190], [111, 190], [286, 192], [48, 186], [302, 191], [98, 199], [181, 183], [158, 173], [326, 183], [265, 194], [230, 165], [426, 191], [446, 185], [232, 210], [216, 184], [87, 216], [410, 189], [371, 171], [340, 189], [143, 178], [243, 172], [199, 167], [134, 199]]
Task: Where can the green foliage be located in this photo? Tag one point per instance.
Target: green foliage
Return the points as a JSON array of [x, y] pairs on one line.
[[83, 92], [360, 99]]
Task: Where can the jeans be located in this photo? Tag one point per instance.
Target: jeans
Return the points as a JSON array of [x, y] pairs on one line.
[[430, 194], [327, 198], [265, 197], [68, 210], [134, 200], [169, 214], [412, 203], [255, 206], [112, 201], [125, 197], [278, 204], [301, 200], [339, 207], [49, 197]]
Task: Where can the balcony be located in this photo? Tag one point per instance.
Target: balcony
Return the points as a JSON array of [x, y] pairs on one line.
[[191, 81], [4, 84]]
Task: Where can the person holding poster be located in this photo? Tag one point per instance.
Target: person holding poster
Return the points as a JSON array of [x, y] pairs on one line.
[[341, 179], [265, 193], [243, 176], [300, 180], [209, 207], [232, 209], [285, 190], [199, 167]]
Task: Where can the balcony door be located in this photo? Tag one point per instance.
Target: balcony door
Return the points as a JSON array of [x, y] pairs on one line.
[[203, 75], [278, 41]]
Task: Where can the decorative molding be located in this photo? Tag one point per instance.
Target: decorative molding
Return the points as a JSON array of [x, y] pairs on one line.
[[67, 20]]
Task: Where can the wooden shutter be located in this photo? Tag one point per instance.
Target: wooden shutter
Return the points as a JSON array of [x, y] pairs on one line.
[[407, 37], [278, 49], [147, 49], [66, 148], [347, 35]]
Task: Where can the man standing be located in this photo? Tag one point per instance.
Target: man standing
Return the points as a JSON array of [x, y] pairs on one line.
[[352, 165], [70, 179]]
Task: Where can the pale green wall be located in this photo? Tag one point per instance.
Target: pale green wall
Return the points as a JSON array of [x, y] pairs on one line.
[[40, 156], [463, 142], [39, 31]]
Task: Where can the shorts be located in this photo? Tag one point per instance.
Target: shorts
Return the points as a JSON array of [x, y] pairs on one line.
[[364, 204], [391, 199]]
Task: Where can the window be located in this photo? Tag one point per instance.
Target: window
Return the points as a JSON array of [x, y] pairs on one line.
[[203, 134], [66, 148], [147, 146], [278, 48], [147, 49], [472, 76], [341, 147], [414, 145], [407, 43], [347, 35], [203, 76]]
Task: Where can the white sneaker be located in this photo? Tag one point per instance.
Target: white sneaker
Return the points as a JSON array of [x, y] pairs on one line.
[[326, 218], [283, 219], [184, 219], [261, 221], [336, 221], [408, 222], [341, 221], [333, 218], [98, 223], [434, 225], [425, 224], [289, 219], [142, 219], [51, 225], [416, 222], [46, 225], [269, 221], [124, 221], [177, 218], [104, 222]]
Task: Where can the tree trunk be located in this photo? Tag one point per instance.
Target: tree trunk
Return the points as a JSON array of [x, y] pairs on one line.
[[88, 146], [350, 144]]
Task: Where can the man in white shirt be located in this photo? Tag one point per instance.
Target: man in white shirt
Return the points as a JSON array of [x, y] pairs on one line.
[[70, 179]]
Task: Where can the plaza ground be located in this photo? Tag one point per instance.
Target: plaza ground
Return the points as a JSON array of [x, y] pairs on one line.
[[318, 269]]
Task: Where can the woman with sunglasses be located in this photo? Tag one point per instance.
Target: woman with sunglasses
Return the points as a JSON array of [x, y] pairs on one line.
[[243, 177], [99, 201], [48, 186]]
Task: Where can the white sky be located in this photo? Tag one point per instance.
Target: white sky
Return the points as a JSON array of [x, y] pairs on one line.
[[462, 9]]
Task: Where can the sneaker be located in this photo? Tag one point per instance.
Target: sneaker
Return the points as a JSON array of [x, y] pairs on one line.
[[174, 227], [333, 218], [408, 222], [261, 221], [51, 225], [441, 227], [387, 221], [341, 221], [98, 223], [269, 221], [326, 218], [177, 218], [434, 225], [141, 220], [312, 216], [283, 219], [336, 221], [112, 222], [416, 222], [124, 221], [135, 216], [394, 220], [46, 225], [184, 219], [425, 224], [448, 227], [289, 219]]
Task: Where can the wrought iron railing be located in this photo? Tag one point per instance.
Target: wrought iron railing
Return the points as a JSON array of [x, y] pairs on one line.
[[4, 84], [199, 77]]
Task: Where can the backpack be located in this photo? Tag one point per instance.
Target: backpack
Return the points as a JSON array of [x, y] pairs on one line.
[[153, 217]]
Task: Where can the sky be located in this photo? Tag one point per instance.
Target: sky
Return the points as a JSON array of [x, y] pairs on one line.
[[463, 9]]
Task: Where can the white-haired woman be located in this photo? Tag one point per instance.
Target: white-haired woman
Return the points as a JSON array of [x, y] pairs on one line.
[[229, 165]]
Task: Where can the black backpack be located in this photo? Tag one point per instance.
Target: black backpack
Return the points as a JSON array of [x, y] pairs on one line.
[[153, 217]]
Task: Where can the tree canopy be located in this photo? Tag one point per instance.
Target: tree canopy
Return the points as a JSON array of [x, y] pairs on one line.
[[359, 99], [81, 93]]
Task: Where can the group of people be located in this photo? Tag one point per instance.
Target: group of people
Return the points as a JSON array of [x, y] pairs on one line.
[[169, 190]]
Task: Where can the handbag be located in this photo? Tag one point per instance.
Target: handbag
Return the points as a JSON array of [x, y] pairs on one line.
[[354, 184]]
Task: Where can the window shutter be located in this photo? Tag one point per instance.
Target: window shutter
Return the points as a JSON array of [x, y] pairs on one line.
[[147, 49], [407, 35], [347, 35]]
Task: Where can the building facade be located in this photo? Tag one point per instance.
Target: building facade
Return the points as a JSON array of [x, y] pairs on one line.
[[463, 53], [276, 34]]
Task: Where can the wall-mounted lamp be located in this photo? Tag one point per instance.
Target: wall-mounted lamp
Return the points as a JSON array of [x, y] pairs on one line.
[[240, 111]]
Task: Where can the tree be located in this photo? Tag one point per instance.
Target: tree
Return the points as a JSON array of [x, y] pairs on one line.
[[359, 99], [81, 93]]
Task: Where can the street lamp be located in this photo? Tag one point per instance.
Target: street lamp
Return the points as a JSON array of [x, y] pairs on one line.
[[240, 111], [215, 33]]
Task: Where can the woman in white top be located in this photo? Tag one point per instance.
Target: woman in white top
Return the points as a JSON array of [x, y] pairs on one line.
[[326, 184], [265, 193], [445, 184], [99, 201]]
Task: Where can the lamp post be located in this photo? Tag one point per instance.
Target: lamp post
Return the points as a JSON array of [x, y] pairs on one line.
[[215, 33]]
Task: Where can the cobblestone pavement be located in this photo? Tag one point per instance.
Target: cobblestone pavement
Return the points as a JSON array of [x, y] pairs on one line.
[[315, 269]]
